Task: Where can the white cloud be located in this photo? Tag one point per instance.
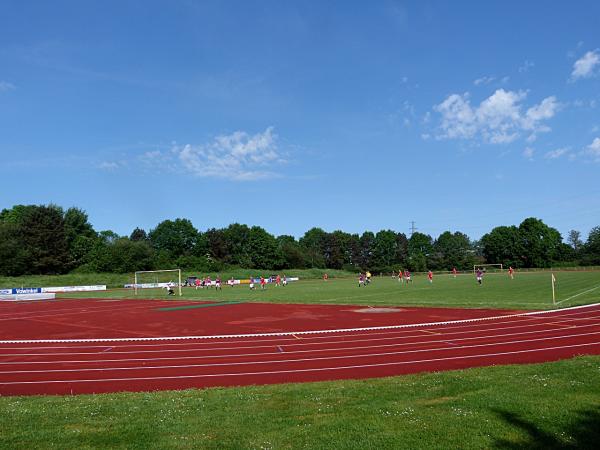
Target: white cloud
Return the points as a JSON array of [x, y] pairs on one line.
[[237, 156], [111, 165], [497, 119], [6, 86], [483, 80], [528, 153], [584, 66], [593, 150], [526, 66], [556, 153]]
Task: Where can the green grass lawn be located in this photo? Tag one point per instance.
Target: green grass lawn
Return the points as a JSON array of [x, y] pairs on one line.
[[540, 406], [525, 291]]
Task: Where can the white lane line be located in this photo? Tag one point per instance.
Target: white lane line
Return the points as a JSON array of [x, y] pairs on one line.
[[577, 295], [365, 339], [319, 369], [290, 333], [535, 321], [297, 360]]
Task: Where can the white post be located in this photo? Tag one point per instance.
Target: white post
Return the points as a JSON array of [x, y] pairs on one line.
[[553, 294], [135, 283], [180, 294]]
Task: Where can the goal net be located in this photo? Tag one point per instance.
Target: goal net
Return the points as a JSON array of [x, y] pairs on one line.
[[488, 268], [157, 282]]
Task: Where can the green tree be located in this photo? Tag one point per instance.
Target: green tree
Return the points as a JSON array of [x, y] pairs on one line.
[[540, 243], [313, 243], [385, 251], [453, 250], [263, 249], [80, 236], [122, 256], [591, 249], [291, 252], [43, 233], [503, 245], [177, 237], [420, 248], [365, 257], [138, 235], [236, 239], [13, 254]]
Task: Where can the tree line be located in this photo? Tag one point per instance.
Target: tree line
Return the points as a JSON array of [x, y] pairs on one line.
[[46, 239]]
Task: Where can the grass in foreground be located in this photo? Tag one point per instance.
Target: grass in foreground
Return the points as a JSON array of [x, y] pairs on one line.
[[552, 405], [526, 291]]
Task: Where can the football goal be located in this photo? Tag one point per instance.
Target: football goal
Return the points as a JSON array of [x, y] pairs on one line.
[[168, 279], [488, 268]]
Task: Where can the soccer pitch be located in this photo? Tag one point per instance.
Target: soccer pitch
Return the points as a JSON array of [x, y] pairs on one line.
[[532, 290]]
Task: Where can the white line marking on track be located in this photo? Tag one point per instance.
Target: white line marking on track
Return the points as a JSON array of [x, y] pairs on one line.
[[320, 369], [301, 360], [291, 333]]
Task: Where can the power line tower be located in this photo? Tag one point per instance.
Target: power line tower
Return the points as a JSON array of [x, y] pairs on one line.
[[412, 227]]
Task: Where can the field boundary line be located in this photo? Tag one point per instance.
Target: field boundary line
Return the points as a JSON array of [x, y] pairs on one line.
[[577, 295], [288, 333]]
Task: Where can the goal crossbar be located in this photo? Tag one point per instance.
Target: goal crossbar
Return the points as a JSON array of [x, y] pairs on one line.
[[137, 285]]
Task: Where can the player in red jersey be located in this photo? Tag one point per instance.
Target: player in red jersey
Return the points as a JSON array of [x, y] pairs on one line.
[[430, 276], [454, 272], [511, 272]]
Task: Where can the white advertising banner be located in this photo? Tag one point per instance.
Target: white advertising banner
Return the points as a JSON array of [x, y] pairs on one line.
[[98, 287]]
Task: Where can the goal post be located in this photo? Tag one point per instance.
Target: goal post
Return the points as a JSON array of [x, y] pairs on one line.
[[494, 267], [145, 279]]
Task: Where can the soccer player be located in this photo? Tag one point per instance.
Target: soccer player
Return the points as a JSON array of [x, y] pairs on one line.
[[251, 283], [407, 276], [277, 280], [218, 283], [208, 283], [325, 277], [361, 280], [197, 283], [263, 283], [454, 272], [479, 275], [284, 282], [367, 278], [169, 288], [430, 276], [511, 272], [401, 276]]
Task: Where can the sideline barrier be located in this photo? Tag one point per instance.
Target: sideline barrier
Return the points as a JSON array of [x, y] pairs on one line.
[[27, 296], [45, 292], [97, 287]]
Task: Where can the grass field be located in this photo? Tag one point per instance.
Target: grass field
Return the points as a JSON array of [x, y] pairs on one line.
[[553, 405], [526, 291], [540, 406]]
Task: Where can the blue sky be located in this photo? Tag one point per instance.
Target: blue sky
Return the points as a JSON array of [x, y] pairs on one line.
[[288, 115]]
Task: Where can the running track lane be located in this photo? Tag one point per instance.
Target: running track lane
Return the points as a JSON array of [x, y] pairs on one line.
[[92, 366]]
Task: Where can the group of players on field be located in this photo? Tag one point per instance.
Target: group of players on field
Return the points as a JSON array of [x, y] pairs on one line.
[[405, 276]]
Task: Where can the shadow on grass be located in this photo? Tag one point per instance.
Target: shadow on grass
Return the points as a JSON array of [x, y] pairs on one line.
[[582, 433]]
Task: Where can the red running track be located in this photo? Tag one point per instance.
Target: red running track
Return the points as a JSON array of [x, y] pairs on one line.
[[345, 342]]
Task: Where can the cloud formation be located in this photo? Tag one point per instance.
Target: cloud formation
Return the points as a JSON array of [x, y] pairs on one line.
[[554, 154], [593, 150], [585, 66], [6, 86], [500, 118], [237, 156]]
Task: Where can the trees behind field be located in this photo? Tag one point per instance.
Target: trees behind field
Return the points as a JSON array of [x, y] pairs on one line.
[[45, 239]]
